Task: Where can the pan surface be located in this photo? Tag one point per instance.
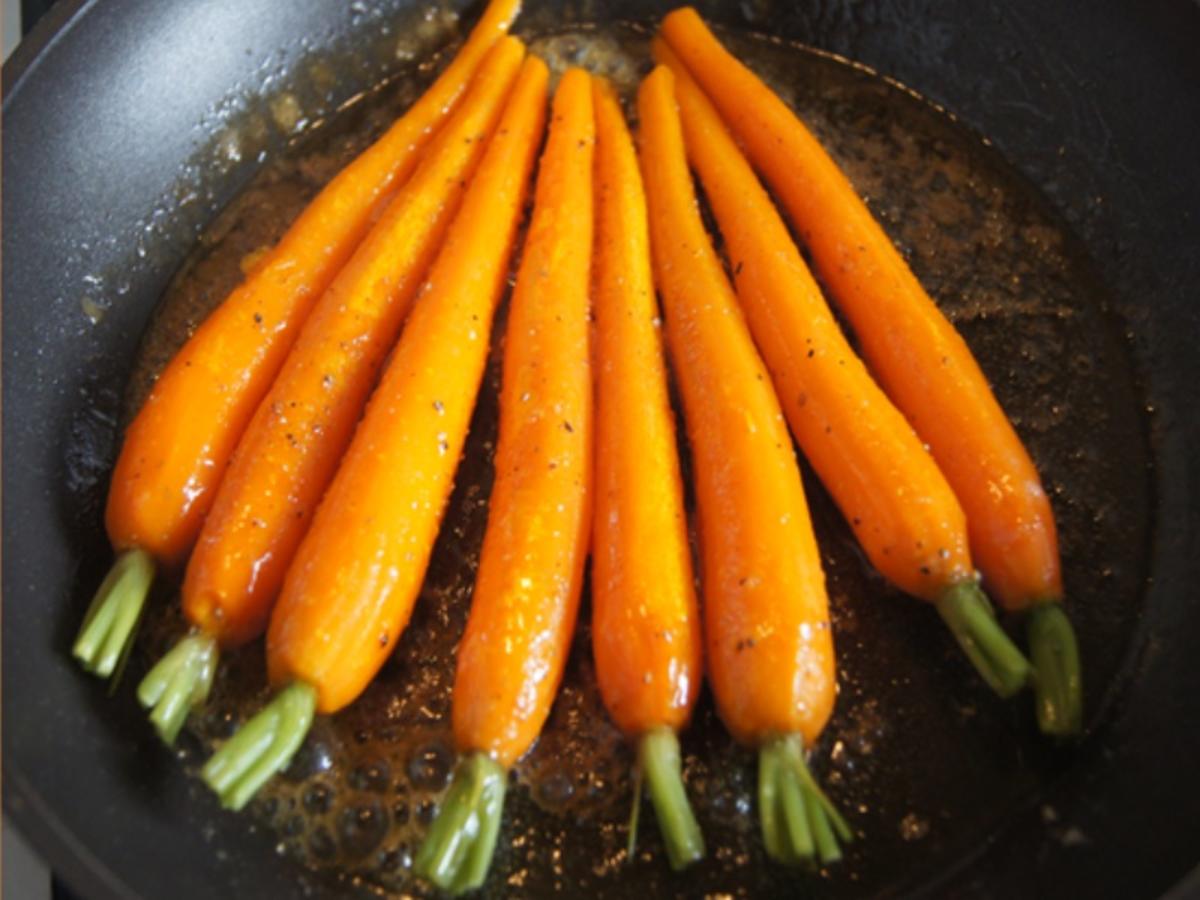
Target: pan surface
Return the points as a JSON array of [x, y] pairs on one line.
[[106, 185]]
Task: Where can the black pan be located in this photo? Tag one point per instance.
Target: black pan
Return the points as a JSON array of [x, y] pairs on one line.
[[113, 161]]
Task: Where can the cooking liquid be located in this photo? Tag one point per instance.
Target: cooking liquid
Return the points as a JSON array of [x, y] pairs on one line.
[[923, 760]]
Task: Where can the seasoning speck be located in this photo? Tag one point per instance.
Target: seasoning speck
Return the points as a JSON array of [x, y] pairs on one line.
[[913, 827]]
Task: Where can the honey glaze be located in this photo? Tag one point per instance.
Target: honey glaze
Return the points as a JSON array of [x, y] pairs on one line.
[[923, 760]]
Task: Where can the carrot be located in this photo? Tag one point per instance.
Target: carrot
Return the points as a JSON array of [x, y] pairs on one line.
[[292, 446], [527, 589], [767, 635], [922, 362], [645, 625], [176, 449], [888, 487], [350, 590]]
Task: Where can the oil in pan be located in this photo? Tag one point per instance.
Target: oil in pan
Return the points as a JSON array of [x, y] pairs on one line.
[[923, 759]]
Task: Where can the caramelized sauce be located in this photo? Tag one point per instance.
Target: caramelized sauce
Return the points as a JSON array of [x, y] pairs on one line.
[[924, 761]]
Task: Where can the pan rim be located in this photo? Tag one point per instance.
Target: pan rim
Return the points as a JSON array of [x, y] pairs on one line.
[[58, 20], [25, 809]]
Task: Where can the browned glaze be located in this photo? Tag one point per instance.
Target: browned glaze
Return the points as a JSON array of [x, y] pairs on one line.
[[924, 761]]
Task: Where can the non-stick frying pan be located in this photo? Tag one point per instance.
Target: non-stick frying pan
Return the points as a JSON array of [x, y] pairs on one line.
[[112, 162]]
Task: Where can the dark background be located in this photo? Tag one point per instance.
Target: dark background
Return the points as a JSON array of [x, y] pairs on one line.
[[31, 11]]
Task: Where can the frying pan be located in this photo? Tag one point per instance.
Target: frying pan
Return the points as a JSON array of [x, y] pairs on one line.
[[110, 106]]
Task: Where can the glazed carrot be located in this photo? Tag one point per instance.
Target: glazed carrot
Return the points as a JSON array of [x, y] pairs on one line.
[[767, 635], [645, 622], [351, 588], [888, 487], [527, 589], [921, 360], [293, 444], [176, 449]]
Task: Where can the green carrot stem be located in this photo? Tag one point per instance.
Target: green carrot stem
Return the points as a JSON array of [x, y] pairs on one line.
[[112, 618], [635, 814], [770, 804], [966, 610], [263, 746], [832, 817], [179, 683], [828, 850], [1057, 682], [658, 757], [797, 842], [458, 849], [800, 825]]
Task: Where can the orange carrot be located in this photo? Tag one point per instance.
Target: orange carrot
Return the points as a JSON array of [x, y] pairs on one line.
[[921, 360], [888, 487], [645, 622], [527, 589], [767, 635], [176, 449], [292, 446], [351, 589]]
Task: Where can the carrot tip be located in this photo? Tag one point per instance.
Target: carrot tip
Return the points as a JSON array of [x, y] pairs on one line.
[[658, 758], [179, 683], [800, 825], [1057, 683], [457, 852], [106, 635], [261, 747], [968, 614]]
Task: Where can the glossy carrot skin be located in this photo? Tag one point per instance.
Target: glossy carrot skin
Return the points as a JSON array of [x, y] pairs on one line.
[[921, 360], [767, 636], [527, 589], [351, 589], [887, 485], [646, 625], [175, 451], [293, 444]]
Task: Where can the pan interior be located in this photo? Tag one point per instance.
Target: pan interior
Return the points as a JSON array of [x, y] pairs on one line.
[[924, 761]]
